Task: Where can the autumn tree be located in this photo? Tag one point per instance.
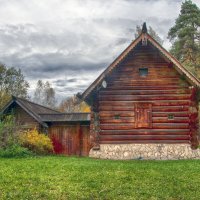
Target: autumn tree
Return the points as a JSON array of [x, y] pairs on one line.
[[44, 94], [185, 36], [151, 32], [72, 104], [12, 82]]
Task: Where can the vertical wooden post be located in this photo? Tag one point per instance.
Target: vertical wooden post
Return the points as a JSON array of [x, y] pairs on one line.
[[94, 126], [194, 119], [79, 143]]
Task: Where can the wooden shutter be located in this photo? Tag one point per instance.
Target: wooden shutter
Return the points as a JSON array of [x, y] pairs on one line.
[[143, 114]]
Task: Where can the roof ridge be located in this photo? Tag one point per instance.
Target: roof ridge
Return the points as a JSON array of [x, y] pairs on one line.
[[34, 103]]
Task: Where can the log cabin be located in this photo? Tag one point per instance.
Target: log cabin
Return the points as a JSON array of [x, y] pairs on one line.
[[143, 106], [69, 131], [144, 101]]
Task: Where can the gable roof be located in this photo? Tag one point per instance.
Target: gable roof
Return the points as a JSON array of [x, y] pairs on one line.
[[43, 114], [178, 66], [31, 108]]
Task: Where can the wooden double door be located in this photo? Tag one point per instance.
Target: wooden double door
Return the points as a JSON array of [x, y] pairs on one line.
[[143, 115], [70, 139]]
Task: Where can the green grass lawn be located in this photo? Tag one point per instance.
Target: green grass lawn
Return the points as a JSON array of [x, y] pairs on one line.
[[85, 178]]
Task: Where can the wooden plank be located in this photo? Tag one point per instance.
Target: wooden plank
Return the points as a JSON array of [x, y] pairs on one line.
[[146, 132], [144, 92], [119, 126], [118, 113], [116, 108], [155, 109], [144, 83], [170, 109], [146, 142], [170, 125], [165, 114], [121, 120], [129, 126], [154, 103], [146, 87], [143, 137], [175, 120], [143, 97]]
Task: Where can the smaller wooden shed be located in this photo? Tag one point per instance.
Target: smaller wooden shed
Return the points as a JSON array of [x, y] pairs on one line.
[[69, 131]]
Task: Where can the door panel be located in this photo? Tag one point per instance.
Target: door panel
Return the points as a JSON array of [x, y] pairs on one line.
[[143, 113], [84, 141]]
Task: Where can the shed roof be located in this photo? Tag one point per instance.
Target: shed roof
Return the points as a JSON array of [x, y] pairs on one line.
[[65, 117], [178, 66]]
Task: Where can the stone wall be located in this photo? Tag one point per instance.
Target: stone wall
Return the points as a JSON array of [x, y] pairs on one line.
[[145, 151]]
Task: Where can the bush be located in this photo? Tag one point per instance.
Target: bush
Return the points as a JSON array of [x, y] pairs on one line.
[[15, 150], [35, 142], [8, 130]]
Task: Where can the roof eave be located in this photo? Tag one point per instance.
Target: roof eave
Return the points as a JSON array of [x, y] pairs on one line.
[[6, 106]]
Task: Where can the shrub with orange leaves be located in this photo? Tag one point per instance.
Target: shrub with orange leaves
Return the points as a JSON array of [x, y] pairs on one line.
[[36, 142]]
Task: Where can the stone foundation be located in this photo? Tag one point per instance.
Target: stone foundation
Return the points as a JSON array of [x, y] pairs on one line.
[[145, 151]]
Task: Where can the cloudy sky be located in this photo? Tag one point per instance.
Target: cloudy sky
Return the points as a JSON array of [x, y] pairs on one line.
[[70, 42]]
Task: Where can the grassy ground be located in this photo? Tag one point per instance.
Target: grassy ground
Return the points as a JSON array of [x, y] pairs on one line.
[[85, 178]]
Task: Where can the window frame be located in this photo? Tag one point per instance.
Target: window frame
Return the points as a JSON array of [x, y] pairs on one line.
[[143, 71]]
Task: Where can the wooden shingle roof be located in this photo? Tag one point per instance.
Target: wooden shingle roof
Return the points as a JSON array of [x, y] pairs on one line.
[[43, 114], [31, 108]]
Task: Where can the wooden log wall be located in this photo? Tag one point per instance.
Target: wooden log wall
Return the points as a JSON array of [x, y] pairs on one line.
[[164, 90], [24, 119], [94, 126]]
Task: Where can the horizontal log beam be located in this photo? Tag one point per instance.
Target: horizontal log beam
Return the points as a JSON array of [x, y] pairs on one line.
[[146, 142], [143, 97], [145, 92], [143, 137], [154, 103], [154, 125], [146, 132]]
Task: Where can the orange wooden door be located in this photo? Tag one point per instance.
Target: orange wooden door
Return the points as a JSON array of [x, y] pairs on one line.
[[143, 115]]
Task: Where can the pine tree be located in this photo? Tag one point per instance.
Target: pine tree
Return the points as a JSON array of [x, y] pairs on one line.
[[185, 36]]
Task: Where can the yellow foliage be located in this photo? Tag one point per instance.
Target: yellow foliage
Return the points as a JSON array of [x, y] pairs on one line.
[[84, 107], [36, 142]]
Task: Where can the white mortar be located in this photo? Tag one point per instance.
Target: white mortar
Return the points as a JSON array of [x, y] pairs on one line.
[[145, 151]]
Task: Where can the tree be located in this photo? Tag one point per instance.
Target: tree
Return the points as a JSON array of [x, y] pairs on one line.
[[151, 32], [12, 82], [72, 104], [44, 94], [185, 35]]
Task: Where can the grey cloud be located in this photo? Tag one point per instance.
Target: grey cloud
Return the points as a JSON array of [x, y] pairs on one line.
[[63, 82], [77, 39]]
